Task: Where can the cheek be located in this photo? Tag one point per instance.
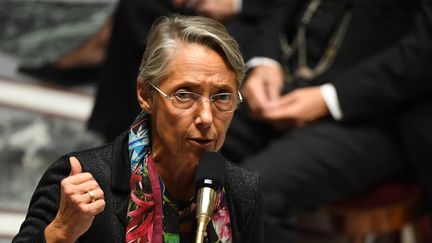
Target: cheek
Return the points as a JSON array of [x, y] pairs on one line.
[[173, 127], [222, 128]]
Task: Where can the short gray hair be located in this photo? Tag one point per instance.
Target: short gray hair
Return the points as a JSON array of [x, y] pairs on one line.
[[168, 31]]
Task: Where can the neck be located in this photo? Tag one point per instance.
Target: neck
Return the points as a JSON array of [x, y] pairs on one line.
[[178, 177]]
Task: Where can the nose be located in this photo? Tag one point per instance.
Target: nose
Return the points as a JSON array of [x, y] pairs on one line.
[[204, 114]]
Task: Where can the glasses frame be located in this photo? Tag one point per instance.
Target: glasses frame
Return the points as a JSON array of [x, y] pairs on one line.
[[171, 98]]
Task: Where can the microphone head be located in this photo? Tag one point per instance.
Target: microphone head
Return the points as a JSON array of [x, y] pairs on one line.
[[211, 171]]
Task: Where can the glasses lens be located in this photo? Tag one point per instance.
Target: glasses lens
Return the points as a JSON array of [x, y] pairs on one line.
[[184, 100], [224, 102]]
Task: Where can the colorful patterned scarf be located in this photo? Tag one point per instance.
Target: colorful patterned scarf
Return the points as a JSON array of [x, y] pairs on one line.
[[152, 214]]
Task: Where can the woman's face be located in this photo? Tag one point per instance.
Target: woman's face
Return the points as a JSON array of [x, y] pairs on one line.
[[180, 135]]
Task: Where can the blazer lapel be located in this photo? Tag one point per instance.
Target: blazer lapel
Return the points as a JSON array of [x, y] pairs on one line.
[[120, 203], [234, 214], [120, 175]]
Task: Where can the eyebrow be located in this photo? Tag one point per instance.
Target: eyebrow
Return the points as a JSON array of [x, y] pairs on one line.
[[196, 85]]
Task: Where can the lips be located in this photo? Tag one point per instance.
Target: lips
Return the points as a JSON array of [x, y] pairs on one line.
[[202, 141]]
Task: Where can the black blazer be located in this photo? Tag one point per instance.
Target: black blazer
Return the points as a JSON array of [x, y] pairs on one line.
[[110, 166]]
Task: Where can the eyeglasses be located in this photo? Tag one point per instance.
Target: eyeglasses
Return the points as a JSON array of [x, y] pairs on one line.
[[184, 100]]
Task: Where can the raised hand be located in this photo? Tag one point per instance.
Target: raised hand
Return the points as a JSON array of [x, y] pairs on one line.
[[263, 85], [217, 9], [296, 108], [81, 200]]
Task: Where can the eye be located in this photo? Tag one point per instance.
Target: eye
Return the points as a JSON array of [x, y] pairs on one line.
[[184, 96], [222, 97]]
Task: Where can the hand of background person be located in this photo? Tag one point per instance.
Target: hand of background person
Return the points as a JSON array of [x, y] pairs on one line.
[[216, 9], [297, 108], [77, 211], [184, 3], [263, 85]]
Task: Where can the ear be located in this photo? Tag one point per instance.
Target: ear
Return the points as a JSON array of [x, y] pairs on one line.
[[144, 96]]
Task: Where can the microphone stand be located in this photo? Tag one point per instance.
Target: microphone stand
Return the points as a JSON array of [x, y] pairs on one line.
[[206, 200]]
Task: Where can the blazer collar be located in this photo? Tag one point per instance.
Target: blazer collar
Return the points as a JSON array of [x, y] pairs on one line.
[[120, 164], [120, 175]]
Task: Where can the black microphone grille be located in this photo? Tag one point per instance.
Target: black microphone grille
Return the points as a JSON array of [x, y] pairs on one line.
[[211, 171]]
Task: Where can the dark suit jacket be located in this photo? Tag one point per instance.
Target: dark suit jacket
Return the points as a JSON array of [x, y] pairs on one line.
[[382, 71], [110, 166]]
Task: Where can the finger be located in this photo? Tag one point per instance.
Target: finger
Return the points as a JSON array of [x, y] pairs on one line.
[[281, 109], [287, 113], [90, 209], [75, 166], [78, 179], [72, 188], [89, 185], [96, 207], [212, 6], [273, 90], [274, 80], [202, 7], [255, 94], [91, 196], [274, 86], [87, 197], [98, 194]]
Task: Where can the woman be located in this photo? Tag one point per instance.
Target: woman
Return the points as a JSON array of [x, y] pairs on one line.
[[188, 89]]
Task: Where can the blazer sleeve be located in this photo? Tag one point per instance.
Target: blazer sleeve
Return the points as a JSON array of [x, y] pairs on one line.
[[399, 74], [246, 205], [44, 203], [254, 222]]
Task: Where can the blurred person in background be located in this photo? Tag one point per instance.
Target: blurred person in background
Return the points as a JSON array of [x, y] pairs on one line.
[[338, 98]]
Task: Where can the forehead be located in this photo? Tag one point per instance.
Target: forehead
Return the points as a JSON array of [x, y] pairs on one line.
[[199, 65]]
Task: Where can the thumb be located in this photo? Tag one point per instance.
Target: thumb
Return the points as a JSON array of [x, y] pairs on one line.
[[75, 166]]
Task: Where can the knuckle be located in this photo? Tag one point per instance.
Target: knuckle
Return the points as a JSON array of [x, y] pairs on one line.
[[95, 184], [102, 194], [83, 207], [88, 175], [64, 183], [74, 200], [67, 190]]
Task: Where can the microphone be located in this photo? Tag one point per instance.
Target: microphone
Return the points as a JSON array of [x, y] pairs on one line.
[[208, 180]]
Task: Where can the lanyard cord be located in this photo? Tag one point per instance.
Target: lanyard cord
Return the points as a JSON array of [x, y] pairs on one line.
[[299, 44]]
